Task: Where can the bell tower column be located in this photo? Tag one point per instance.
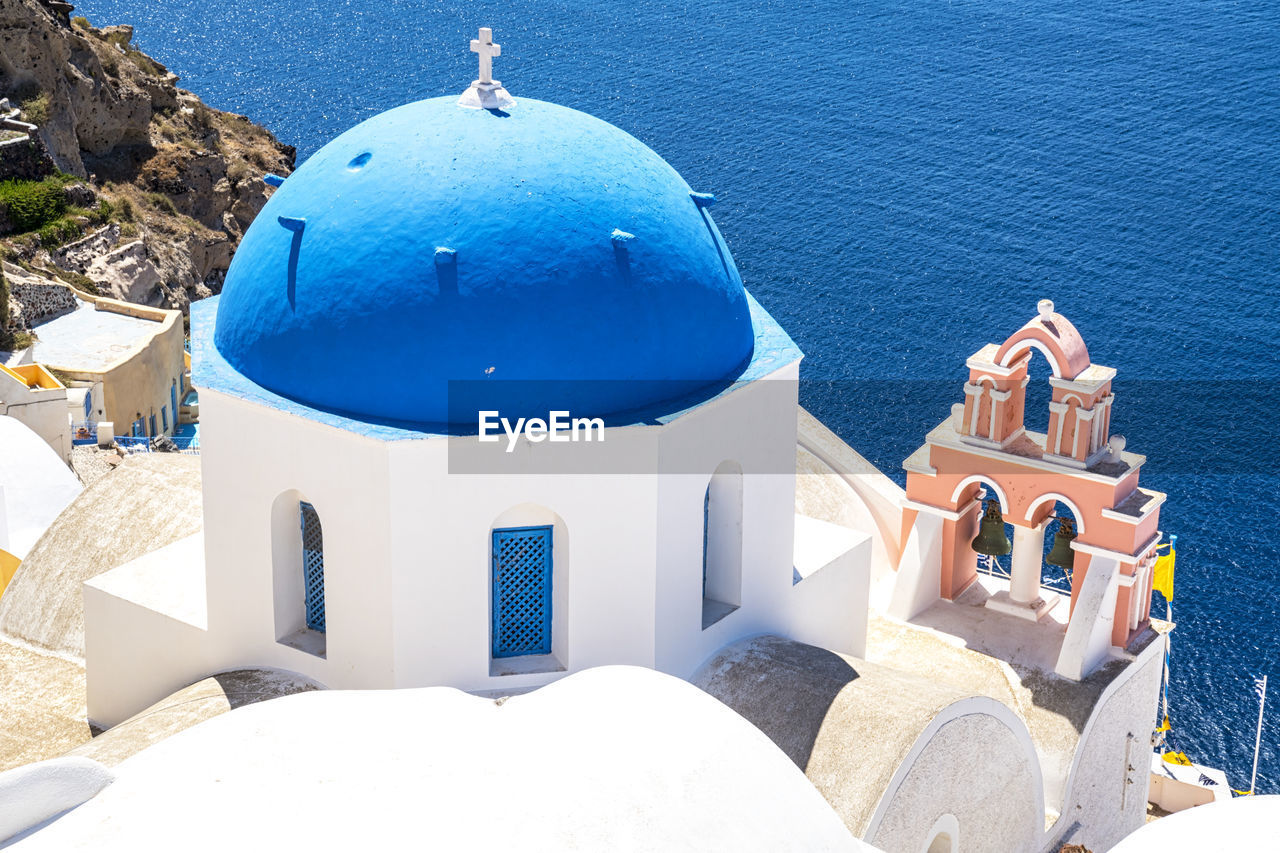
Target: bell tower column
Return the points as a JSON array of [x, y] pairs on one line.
[[1028, 557], [1025, 598]]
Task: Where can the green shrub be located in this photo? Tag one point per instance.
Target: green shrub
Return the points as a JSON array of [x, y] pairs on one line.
[[33, 204], [4, 300], [75, 279], [145, 64], [36, 109], [80, 22], [124, 210], [162, 202], [59, 232], [102, 214], [12, 340], [201, 116]]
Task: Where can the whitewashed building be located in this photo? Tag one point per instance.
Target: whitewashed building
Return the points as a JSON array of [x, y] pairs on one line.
[[368, 523]]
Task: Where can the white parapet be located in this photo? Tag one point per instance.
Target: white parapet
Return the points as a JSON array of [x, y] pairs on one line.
[[34, 793]]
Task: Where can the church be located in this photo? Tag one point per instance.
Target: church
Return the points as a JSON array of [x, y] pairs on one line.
[[486, 407]]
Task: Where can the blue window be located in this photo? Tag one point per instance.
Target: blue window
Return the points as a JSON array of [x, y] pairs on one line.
[[164, 418], [137, 429], [88, 403], [312, 567], [152, 422], [521, 591], [706, 532], [173, 401]]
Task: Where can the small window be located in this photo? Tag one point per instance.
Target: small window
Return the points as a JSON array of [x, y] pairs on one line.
[[164, 419], [521, 591], [312, 567], [298, 576], [722, 544]]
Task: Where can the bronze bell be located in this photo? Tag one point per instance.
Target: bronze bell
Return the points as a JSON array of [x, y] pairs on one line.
[[1061, 554], [991, 539]]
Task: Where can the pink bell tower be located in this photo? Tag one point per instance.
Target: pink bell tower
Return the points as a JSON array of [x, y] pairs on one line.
[[985, 450]]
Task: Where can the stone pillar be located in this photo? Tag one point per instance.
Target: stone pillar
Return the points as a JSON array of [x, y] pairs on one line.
[[1028, 560]]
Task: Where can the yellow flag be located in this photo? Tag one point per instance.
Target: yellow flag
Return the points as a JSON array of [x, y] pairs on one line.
[[1162, 576], [8, 566]]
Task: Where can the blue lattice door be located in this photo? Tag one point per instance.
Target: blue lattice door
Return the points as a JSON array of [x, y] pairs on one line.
[[312, 567], [521, 591]]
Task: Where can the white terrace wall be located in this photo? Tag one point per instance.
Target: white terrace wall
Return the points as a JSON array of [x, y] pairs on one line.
[[33, 300], [1107, 787]]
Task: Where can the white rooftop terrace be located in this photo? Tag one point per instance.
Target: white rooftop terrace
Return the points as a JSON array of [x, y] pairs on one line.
[[91, 339]]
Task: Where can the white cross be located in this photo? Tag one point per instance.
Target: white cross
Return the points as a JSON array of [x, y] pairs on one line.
[[487, 50]]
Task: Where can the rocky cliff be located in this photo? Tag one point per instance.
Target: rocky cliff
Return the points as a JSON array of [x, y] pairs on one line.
[[158, 187]]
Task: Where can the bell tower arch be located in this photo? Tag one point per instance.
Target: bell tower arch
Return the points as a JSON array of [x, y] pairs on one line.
[[984, 455]]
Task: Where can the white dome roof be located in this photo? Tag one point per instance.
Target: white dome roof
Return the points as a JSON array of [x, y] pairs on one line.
[[616, 758], [1242, 823]]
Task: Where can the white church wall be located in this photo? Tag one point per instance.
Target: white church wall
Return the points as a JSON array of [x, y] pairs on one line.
[[602, 563], [407, 529], [256, 462], [752, 428]]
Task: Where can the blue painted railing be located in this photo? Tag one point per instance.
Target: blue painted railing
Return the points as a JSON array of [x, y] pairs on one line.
[[85, 432], [141, 444]]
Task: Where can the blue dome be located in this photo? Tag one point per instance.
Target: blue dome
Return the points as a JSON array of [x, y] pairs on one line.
[[541, 256]]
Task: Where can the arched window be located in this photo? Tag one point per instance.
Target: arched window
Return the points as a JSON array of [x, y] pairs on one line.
[[722, 544], [298, 571]]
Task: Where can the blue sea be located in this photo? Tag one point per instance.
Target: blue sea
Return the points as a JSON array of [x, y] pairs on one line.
[[900, 182]]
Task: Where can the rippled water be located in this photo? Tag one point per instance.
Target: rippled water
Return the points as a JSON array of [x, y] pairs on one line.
[[899, 183]]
